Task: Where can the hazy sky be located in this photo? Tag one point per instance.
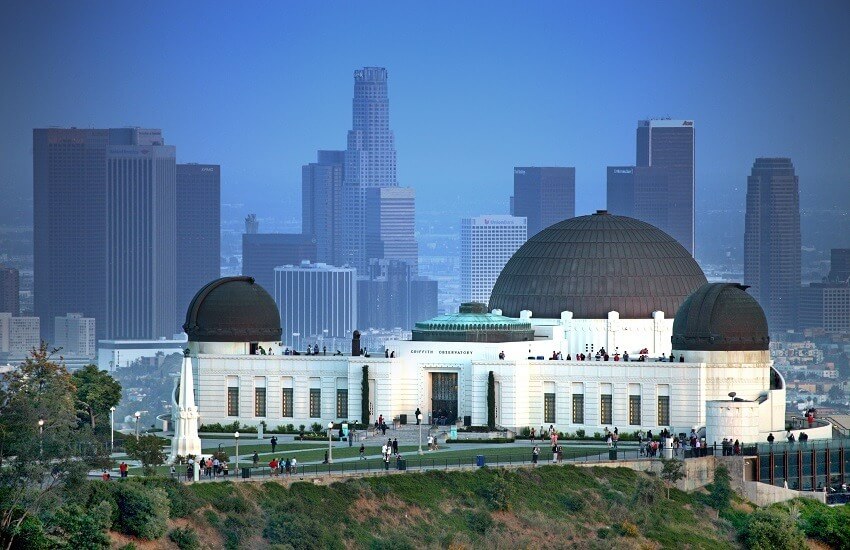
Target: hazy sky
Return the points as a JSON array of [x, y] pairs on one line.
[[475, 88]]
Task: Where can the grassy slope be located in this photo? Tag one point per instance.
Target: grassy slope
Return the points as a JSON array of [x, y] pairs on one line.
[[545, 507]]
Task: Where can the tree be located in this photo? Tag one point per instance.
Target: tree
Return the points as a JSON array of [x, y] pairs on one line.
[[97, 391], [42, 446], [721, 489], [672, 471], [364, 396], [836, 394], [148, 450], [773, 528], [491, 401]]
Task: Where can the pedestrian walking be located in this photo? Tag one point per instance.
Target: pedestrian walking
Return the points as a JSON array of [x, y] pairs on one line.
[[274, 443], [362, 451]]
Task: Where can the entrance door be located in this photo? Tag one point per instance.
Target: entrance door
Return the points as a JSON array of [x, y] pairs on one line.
[[444, 397]]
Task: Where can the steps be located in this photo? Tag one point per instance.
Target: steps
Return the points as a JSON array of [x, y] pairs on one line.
[[407, 435]]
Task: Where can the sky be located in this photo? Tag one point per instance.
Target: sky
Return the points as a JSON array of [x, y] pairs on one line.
[[475, 88]]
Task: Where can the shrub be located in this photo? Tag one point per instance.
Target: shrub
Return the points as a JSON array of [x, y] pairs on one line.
[[491, 401], [580, 434], [629, 529], [140, 511], [646, 491], [721, 490], [525, 432], [479, 521], [773, 528], [181, 500], [299, 531], [316, 427], [185, 538], [572, 502], [603, 532], [495, 494]]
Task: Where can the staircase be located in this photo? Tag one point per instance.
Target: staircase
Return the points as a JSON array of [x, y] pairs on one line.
[[407, 434]]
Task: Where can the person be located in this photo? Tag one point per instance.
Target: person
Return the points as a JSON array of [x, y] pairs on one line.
[[315, 349], [791, 438], [362, 451], [417, 414], [273, 467], [532, 436], [770, 438], [430, 442], [436, 445], [681, 358], [383, 450], [569, 357], [609, 440], [625, 357], [294, 465], [535, 452], [386, 353], [123, 469], [256, 459], [804, 437], [288, 467], [209, 469], [216, 466], [392, 354], [736, 448], [105, 475], [501, 355], [172, 471], [395, 446], [274, 443], [324, 350], [190, 469], [224, 468], [325, 461]]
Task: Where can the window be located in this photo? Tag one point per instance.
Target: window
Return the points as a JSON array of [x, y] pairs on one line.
[[315, 403], [232, 401], [578, 408], [663, 410], [634, 410], [286, 403], [341, 403], [259, 401], [549, 408], [606, 408]]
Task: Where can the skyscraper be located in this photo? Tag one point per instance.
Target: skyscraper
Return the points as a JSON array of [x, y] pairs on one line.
[[198, 230], [105, 220], [262, 252], [370, 161], [391, 296], [390, 234], [10, 286], [321, 203], [141, 224], [772, 240], [826, 305], [664, 194], [316, 301], [544, 195], [486, 245]]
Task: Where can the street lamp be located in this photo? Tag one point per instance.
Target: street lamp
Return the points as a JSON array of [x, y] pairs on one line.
[[330, 442], [111, 429], [40, 436], [236, 435], [138, 415], [419, 418]]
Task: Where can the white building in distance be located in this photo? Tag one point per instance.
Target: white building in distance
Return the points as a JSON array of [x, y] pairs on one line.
[[486, 245]]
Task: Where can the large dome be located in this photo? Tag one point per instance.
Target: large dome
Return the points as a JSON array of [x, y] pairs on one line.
[[232, 309], [720, 317], [595, 264]]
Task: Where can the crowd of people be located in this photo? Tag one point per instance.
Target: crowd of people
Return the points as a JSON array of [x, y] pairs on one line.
[[603, 355]]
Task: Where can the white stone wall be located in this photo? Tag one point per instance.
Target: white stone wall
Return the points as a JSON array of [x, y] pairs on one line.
[[574, 336], [732, 420]]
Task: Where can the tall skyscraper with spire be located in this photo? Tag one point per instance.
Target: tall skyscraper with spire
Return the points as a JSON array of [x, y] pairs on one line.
[[772, 240], [370, 162]]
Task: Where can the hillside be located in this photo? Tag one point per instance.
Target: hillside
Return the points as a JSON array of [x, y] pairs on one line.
[[551, 506]]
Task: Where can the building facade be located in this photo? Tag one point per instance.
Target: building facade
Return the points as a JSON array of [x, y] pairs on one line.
[[544, 195], [390, 231], [390, 296], [76, 335], [772, 240], [486, 245], [10, 287], [826, 305], [18, 335], [262, 252], [198, 229], [321, 203], [316, 301]]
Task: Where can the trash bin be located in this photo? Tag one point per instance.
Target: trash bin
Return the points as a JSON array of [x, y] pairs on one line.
[[403, 419], [612, 454], [246, 473], [479, 461], [401, 464]]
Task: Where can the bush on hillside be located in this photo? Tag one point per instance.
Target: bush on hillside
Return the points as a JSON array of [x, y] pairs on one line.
[[721, 490], [185, 538], [773, 528], [140, 511]]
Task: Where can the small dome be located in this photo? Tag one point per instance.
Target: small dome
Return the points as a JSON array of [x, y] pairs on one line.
[[232, 309], [720, 317], [473, 324], [595, 264]]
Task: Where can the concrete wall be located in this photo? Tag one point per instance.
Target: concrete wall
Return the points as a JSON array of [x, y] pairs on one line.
[[699, 472]]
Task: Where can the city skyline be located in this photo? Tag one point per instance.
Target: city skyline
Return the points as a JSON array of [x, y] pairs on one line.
[[585, 128]]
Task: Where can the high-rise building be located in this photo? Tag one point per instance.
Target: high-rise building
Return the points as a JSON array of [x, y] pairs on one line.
[[198, 230], [544, 195], [486, 245], [105, 221], [772, 240], [18, 335], [390, 296], [839, 265], [316, 302], [321, 202], [10, 287], [141, 224], [826, 305], [370, 161], [389, 229], [262, 252], [252, 224], [662, 192], [75, 335]]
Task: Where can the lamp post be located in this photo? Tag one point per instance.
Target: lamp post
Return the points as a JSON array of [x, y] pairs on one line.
[[236, 436], [40, 436], [111, 429], [138, 415], [330, 442], [419, 418]]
